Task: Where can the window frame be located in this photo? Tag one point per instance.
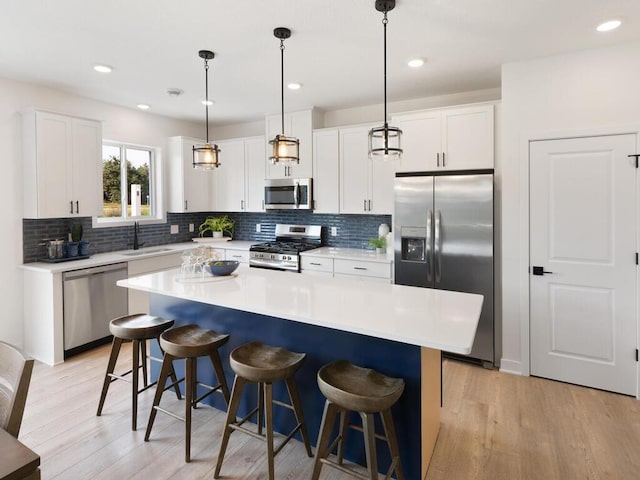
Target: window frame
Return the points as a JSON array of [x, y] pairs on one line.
[[155, 188]]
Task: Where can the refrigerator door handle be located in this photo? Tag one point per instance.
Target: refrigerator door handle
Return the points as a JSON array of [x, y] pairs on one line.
[[438, 246], [429, 249]]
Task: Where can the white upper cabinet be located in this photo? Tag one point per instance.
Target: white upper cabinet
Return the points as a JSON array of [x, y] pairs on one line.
[[299, 125], [62, 166], [189, 189], [447, 139], [326, 171], [366, 185], [228, 180], [254, 163], [238, 184]]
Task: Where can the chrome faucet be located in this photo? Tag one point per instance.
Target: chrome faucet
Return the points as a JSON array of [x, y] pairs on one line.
[[136, 230]]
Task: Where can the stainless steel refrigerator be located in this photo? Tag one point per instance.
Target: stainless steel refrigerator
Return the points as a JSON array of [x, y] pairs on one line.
[[443, 238]]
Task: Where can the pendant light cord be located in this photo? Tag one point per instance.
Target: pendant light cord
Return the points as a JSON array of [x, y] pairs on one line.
[[282, 82], [206, 95], [384, 23]]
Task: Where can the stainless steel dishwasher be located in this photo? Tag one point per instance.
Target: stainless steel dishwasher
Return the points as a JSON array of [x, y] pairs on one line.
[[91, 300]]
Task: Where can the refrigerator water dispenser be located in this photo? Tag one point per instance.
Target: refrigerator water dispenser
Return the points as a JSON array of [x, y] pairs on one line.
[[413, 244]]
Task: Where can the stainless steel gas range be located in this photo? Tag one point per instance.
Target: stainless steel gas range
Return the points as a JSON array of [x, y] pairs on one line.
[[284, 252]]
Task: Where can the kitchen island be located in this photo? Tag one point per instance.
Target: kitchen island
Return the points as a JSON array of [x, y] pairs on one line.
[[395, 329]]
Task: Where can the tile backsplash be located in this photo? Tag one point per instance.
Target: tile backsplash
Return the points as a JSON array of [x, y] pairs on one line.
[[353, 230]]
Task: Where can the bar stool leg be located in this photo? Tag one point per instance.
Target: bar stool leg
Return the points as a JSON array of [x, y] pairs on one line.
[[370, 444], [113, 357], [297, 409], [143, 359], [344, 428], [167, 366], [189, 388], [172, 374], [260, 408], [326, 427], [390, 433], [134, 384], [217, 367], [268, 410], [234, 404]]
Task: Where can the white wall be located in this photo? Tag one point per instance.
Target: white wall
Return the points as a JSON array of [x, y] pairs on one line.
[[575, 94], [121, 124]]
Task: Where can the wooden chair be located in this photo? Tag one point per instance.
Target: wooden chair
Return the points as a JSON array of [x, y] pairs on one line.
[[189, 342], [263, 364], [15, 376], [348, 387]]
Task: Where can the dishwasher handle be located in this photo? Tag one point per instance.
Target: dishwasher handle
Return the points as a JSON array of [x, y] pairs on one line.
[[85, 272]]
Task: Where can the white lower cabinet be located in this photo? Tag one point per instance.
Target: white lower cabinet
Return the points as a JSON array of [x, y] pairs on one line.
[[316, 265], [361, 268], [338, 264], [240, 255], [138, 300]]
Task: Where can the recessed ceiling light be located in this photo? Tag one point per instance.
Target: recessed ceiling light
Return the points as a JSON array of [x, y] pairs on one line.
[[207, 102], [102, 68], [416, 62], [143, 106], [294, 86], [609, 25]]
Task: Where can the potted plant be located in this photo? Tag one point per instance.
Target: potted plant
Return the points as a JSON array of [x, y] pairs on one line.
[[218, 226], [379, 243]]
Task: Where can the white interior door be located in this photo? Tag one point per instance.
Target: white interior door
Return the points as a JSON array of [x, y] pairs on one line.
[[583, 231]]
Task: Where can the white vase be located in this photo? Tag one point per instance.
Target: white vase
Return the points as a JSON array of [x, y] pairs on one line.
[[217, 234]]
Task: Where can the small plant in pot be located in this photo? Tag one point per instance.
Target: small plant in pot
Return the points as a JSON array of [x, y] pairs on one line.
[[218, 226], [379, 243]]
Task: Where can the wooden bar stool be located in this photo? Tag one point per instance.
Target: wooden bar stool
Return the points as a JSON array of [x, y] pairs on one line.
[[189, 342], [351, 388], [137, 328], [263, 364]]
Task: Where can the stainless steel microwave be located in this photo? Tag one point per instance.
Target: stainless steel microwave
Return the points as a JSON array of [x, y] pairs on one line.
[[288, 193]]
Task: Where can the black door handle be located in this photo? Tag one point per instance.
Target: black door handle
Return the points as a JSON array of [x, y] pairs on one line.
[[539, 271]]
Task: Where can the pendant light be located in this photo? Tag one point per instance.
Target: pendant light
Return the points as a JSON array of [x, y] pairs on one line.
[[205, 157], [285, 149], [384, 141]]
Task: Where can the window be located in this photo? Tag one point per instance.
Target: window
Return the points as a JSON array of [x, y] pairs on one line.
[[128, 187]]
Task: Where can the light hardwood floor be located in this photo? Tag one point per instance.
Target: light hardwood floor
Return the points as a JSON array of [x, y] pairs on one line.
[[494, 426]]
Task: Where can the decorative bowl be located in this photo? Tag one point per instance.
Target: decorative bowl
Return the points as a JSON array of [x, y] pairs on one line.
[[221, 267]]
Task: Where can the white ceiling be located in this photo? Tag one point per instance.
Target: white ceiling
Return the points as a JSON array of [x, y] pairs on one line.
[[335, 50]]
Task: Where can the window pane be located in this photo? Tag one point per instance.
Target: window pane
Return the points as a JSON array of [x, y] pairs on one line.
[[139, 194], [111, 181]]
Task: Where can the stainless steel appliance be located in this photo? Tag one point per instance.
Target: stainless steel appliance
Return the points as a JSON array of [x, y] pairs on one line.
[[91, 300], [443, 238], [284, 253], [288, 193]]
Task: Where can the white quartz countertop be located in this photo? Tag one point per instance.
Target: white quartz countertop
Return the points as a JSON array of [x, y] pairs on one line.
[[130, 255], [349, 254], [418, 316]]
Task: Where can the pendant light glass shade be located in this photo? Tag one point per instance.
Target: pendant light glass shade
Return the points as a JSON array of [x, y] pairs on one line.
[[286, 150], [384, 141], [206, 157]]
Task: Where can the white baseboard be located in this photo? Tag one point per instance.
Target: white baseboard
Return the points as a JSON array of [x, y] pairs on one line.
[[511, 366]]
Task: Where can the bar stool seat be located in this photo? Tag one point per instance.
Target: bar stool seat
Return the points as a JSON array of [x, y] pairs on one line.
[[136, 328], [263, 364], [348, 387], [189, 342]]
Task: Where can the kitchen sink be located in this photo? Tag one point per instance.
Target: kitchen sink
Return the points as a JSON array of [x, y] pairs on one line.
[[145, 252]]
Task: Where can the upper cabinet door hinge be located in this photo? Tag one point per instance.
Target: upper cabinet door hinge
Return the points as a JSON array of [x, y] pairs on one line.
[[635, 155]]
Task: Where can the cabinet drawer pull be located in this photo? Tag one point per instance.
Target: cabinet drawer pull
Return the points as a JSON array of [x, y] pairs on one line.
[[186, 205], [314, 263], [438, 159], [71, 206], [236, 256], [359, 268], [369, 205], [77, 206], [443, 159], [364, 205]]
